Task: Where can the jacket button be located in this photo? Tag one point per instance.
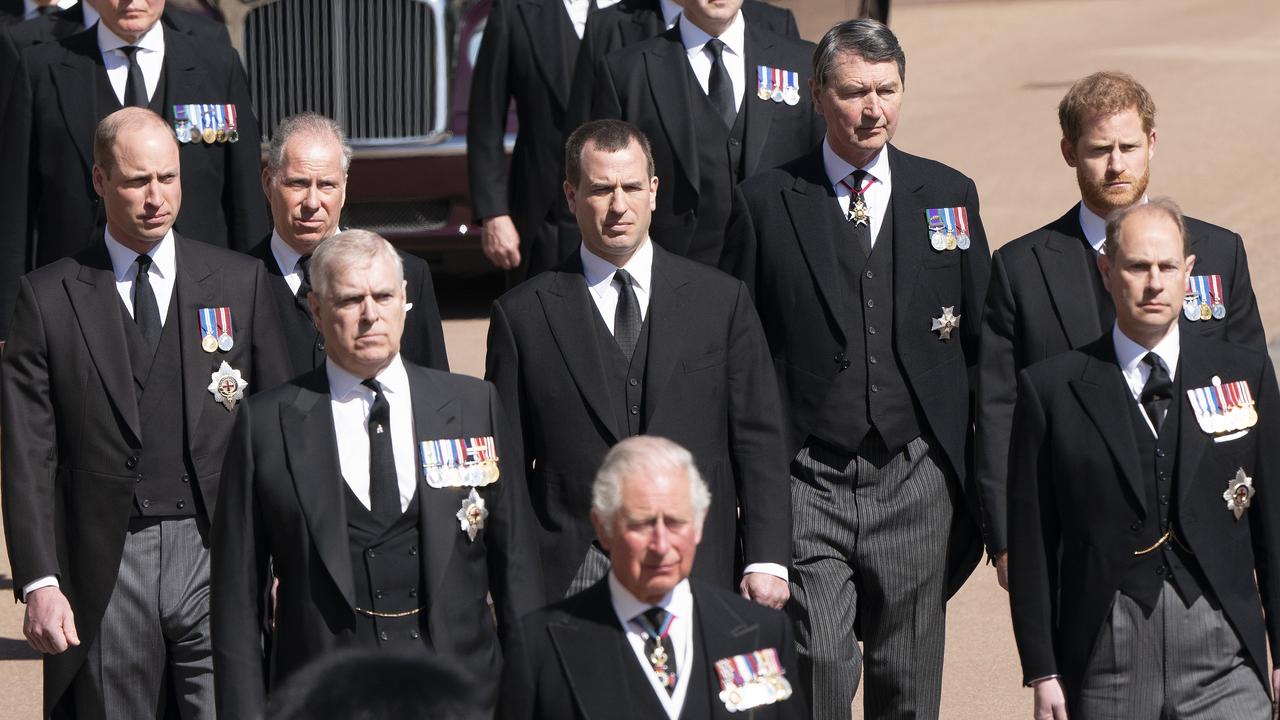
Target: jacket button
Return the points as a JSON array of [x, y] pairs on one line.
[[871, 303], [146, 503], [875, 388], [371, 553], [1136, 526], [844, 365], [383, 636], [132, 462], [871, 329], [838, 358], [870, 275], [633, 382], [413, 592], [413, 550], [871, 359], [413, 634], [181, 504], [320, 345], [1159, 452], [377, 595], [635, 409], [185, 478]]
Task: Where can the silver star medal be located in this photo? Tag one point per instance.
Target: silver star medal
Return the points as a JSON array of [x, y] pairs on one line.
[[945, 324], [227, 386], [472, 515], [1239, 493]]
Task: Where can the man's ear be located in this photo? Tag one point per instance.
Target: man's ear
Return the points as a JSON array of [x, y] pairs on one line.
[[602, 532]]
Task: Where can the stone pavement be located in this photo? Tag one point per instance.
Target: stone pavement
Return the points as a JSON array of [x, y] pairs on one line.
[[983, 82]]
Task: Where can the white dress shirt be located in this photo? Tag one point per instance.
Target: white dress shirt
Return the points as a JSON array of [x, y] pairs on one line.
[[1129, 355], [351, 403], [162, 275], [287, 260], [578, 10], [734, 55], [31, 10], [678, 602], [670, 13], [599, 273], [1095, 227], [150, 58], [877, 195]]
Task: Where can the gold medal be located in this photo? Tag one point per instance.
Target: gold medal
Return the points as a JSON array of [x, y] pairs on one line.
[[951, 241], [210, 136], [763, 93], [209, 343], [1206, 312], [222, 136]]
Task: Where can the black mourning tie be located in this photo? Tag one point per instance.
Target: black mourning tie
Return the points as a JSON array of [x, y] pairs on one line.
[[626, 317], [384, 490], [146, 312], [856, 181], [1158, 391], [719, 87], [658, 648], [304, 269], [135, 88], [43, 10]]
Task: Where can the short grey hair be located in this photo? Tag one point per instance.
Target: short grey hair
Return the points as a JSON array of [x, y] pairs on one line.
[[641, 457], [1160, 206], [307, 124], [108, 131], [349, 248], [872, 40]]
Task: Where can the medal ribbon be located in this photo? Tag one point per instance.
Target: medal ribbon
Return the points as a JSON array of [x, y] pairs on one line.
[[231, 117], [948, 217], [962, 220], [207, 111], [1191, 290], [208, 326], [777, 78], [762, 79], [224, 321], [217, 113], [193, 116], [793, 80], [1215, 287], [1202, 283], [727, 673]]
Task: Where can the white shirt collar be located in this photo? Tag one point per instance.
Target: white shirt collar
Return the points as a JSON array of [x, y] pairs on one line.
[[670, 13], [837, 168], [31, 11], [1095, 226], [678, 602], [734, 37], [91, 15], [1129, 354], [151, 41], [286, 257], [164, 258], [600, 271], [393, 378]]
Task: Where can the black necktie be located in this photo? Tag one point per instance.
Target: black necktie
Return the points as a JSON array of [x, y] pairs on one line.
[[861, 228], [384, 489], [719, 87], [46, 10], [1158, 391], [146, 312], [626, 317], [304, 288], [135, 88], [658, 648]]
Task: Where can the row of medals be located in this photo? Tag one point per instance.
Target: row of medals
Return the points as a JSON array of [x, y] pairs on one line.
[[188, 133], [790, 95], [1196, 310], [223, 342], [947, 240]]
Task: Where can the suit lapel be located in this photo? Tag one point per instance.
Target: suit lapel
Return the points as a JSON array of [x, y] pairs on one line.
[[194, 286], [910, 236], [96, 304], [647, 21], [1104, 395], [1193, 371], [567, 305], [669, 82], [312, 451], [759, 119], [1063, 261], [548, 27], [724, 634], [592, 645], [75, 80], [183, 76], [667, 329], [436, 414], [815, 216]]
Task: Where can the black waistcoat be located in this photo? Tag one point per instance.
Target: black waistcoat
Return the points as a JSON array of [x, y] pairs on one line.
[[107, 102], [1171, 561], [625, 379], [871, 391], [719, 170], [165, 475], [386, 565], [1106, 306], [303, 341]]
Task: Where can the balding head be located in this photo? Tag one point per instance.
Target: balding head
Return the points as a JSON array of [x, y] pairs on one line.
[[136, 172]]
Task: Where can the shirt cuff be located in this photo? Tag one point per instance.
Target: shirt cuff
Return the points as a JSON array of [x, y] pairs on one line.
[[46, 581], [774, 569], [1037, 681]]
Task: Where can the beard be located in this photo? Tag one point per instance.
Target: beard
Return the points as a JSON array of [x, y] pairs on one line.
[[1097, 194]]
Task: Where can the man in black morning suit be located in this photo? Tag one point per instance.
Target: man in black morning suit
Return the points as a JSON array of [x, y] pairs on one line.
[[305, 181], [1046, 295], [47, 207], [693, 92], [872, 315], [1140, 516], [634, 21], [383, 495], [648, 641], [625, 338], [116, 411]]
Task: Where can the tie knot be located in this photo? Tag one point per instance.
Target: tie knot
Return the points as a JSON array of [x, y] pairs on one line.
[[1156, 363], [855, 180], [129, 51], [621, 278], [715, 47], [144, 263], [655, 620], [372, 384], [1158, 384]]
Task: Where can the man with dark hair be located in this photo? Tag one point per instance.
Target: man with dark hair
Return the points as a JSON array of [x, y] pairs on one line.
[[1142, 518], [625, 338], [121, 379], [720, 98], [869, 266], [383, 495], [1046, 296], [649, 642], [64, 87], [305, 180]]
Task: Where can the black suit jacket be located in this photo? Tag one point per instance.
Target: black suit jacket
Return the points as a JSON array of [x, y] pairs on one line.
[[707, 387], [46, 153], [71, 431], [574, 655], [1077, 494], [1041, 303], [649, 85], [781, 242], [12, 12], [421, 344], [282, 503], [633, 21]]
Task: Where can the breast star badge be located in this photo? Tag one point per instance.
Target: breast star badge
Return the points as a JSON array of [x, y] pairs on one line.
[[227, 385], [1239, 493], [472, 515], [945, 324]]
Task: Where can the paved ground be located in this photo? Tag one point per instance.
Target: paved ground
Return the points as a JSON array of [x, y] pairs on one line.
[[984, 79]]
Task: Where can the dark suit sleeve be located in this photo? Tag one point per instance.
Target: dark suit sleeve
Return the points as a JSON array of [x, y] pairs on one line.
[[1265, 520], [239, 571], [502, 368], [426, 319], [242, 200], [997, 393], [604, 96], [756, 440], [487, 117], [16, 181], [29, 447], [739, 255], [976, 273], [271, 362], [584, 75], [1244, 325], [789, 26], [1033, 538]]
